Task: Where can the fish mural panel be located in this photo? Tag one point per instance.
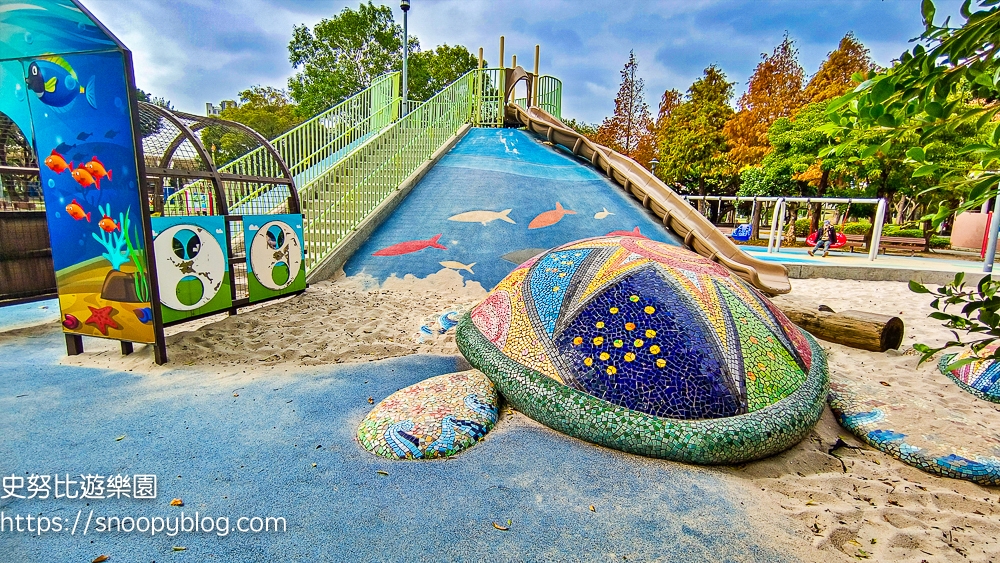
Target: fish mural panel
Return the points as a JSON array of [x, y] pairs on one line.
[[192, 267], [64, 82], [549, 218], [411, 246]]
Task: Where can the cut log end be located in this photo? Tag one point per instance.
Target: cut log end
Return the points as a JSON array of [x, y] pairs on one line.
[[857, 329]]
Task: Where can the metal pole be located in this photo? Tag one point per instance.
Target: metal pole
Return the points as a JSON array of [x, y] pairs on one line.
[[877, 230], [405, 5], [774, 224], [991, 245], [781, 228], [534, 88]]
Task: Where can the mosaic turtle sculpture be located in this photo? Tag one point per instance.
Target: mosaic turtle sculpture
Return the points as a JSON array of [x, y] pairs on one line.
[[647, 348], [981, 377]]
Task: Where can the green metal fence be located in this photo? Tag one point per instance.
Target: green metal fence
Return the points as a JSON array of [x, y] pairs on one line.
[[308, 150]]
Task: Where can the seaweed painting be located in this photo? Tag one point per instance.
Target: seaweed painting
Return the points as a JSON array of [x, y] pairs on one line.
[[116, 238]]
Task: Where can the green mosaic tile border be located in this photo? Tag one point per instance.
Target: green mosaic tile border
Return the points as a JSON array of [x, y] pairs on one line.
[[943, 364], [730, 440]]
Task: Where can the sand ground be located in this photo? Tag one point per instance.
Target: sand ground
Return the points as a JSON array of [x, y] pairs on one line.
[[847, 500]]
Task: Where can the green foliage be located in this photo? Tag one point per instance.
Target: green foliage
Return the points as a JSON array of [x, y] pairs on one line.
[[692, 145], [943, 91], [977, 316], [802, 227], [266, 110], [143, 96], [587, 129], [940, 242], [857, 228], [753, 182], [342, 55], [430, 71]]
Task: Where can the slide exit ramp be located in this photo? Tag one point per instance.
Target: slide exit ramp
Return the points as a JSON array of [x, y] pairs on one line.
[[676, 214]]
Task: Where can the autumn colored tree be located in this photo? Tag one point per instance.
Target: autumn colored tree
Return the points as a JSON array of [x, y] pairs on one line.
[[834, 76], [692, 147], [668, 102], [773, 91], [629, 130]]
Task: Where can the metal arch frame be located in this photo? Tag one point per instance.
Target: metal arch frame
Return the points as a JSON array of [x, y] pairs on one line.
[[222, 206]]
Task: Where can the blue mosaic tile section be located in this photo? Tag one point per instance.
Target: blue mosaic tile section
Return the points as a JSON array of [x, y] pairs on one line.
[[640, 345], [549, 281]]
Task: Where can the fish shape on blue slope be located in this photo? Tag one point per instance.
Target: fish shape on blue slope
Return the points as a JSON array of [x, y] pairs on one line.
[[550, 278], [640, 345]]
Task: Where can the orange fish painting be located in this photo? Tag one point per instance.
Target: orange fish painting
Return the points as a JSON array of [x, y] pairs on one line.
[[107, 224], [83, 177], [57, 163], [550, 217], [97, 171], [76, 212]]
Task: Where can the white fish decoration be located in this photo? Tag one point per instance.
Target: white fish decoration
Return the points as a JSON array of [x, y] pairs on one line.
[[482, 216], [602, 214], [453, 265]]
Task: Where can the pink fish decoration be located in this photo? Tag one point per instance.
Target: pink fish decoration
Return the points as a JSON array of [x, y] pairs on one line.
[[410, 246], [551, 217], [633, 233]]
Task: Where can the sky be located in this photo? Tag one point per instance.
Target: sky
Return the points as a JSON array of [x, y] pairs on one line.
[[196, 51]]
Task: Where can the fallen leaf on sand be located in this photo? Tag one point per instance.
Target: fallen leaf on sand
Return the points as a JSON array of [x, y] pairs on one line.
[[120, 438], [371, 401], [178, 548], [177, 502], [592, 509], [886, 383], [380, 472], [501, 528], [100, 559]]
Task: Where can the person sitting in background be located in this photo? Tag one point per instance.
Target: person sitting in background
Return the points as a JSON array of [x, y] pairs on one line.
[[826, 236]]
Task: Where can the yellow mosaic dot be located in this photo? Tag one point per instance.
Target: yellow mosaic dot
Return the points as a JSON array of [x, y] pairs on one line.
[[611, 370], [588, 362], [598, 340], [562, 275], [638, 343], [654, 349], [578, 341], [629, 357], [634, 298], [600, 324], [650, 333], [650, 309], [770, 354], [661, 363], [629, 326], [604, 356], [613, 310], [556, 288], [761, 366], [618, 343]]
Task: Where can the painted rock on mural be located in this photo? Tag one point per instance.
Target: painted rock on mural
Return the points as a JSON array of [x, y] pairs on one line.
[[437, 417], [981, 377], [648, 348]]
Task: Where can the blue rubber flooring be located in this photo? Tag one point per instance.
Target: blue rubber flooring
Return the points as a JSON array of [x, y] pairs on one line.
[[252, 455], [494, 170]]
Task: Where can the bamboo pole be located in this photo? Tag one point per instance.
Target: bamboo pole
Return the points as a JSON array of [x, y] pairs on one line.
[[501, 53], [513, 61], [534, 85]]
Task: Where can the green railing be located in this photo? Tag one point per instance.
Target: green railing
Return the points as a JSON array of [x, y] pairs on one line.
[[549, 96], [336, 202], [308, 150]]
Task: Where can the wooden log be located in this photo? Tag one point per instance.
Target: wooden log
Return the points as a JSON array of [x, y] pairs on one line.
[[857, 329]]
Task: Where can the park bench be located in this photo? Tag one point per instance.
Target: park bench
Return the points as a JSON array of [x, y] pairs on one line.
[[856, 241], [912, 244]]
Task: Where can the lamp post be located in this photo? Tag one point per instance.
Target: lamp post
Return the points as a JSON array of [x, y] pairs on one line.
[[652, 164], [405, 6]]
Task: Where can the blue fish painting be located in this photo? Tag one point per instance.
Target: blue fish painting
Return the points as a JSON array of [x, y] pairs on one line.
[[56, 84]]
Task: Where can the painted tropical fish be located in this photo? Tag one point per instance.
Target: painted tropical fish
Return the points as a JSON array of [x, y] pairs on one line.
[[57, 163], [483, 217], [633, 233], [76, 212], [549, 218], [107, 224], [56, 84], [83, 177], [453, 265], [602, 214], [410, 246], [97, 170]]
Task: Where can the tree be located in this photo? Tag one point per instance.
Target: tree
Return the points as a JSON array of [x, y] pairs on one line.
[[950, 79], [143, 96], [668, 103], [267, 110], [834, 76], [773, 91], [629, 130], [588, 130], [341, 56], [430, 71], [692, 145]]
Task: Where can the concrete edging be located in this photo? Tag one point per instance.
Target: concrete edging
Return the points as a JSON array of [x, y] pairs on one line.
[[808, 271], [347, 247]]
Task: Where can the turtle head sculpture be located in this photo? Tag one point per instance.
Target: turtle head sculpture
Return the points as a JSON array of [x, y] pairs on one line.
[[648, 348]]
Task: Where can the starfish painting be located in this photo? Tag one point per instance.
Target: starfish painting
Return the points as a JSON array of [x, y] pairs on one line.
[[101, 318]]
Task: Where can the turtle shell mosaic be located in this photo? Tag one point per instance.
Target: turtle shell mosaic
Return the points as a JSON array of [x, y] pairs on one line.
[[437, 417], [981, 377], [649, 348]]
